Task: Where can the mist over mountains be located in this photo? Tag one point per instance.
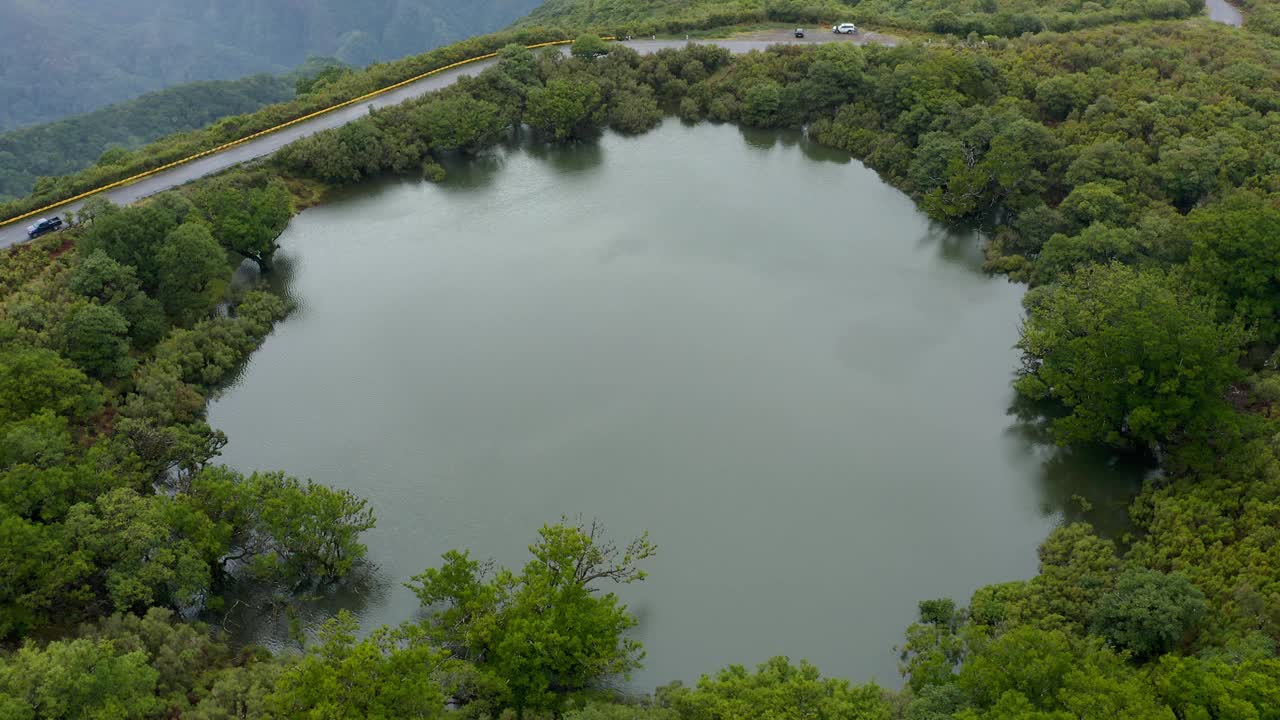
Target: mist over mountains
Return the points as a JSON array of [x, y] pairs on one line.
[[65, 57]]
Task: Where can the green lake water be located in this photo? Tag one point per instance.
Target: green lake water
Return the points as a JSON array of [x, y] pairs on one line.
[[742, 342]]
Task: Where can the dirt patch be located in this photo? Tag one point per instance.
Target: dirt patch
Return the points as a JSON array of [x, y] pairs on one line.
[[819, 34]]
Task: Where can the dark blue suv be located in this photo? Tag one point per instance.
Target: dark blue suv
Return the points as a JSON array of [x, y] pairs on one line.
[[44, 225]]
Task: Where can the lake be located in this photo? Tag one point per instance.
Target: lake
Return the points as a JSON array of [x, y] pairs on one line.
[[745, 343]]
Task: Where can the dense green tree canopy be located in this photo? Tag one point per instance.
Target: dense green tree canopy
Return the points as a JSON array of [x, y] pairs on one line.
[[567, 110], [389, 675], [1148, 613], [545, 631], [1235, 253], [246, 220], [1132, 355]]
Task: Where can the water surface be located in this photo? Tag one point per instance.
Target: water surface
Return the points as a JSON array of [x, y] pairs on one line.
[[744, 343], [1224, 12]]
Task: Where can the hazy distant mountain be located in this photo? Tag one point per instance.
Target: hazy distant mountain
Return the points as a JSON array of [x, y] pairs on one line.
[[64, 57]]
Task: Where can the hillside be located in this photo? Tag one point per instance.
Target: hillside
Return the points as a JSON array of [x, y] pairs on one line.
[[71, 144], [1008, 18], [66, 57]]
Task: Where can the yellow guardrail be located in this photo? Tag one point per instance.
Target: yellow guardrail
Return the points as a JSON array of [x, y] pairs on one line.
[[268, 131]]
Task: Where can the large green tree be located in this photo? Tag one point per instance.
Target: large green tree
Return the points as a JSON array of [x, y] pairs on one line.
[[132, 236], [281, 528], [1148, 613], [778, 690], [35, 379], [389, 675], [1133, 356], [1235, 254], [461, 122], [96, 337], [247, 220], [189, 266], [547, 631], [567, 108], [77, 680]]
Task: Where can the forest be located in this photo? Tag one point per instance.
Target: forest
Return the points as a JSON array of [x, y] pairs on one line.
[[54, 63], [1129, 174], [1006, 18]]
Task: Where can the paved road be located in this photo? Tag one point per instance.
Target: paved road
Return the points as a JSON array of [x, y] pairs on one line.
[[1223, 12], [14, 233]]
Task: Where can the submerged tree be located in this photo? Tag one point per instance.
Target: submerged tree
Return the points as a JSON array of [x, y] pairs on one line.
[[545, 632]]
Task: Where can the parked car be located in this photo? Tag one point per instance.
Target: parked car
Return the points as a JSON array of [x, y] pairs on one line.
[[799, 32], [845, 29], [44, 225]]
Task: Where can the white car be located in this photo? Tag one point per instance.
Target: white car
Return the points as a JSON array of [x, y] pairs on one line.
[[845, 29]]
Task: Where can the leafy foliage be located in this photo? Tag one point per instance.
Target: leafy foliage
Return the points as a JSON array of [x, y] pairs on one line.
[[542, 633], [1009, 18], [775, 691], [1134, 358], [1148, 613], [386, 676]]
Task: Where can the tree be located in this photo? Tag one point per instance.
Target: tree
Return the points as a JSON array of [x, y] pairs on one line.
[[567, 109], [1094, 202], [35, 379], [180, 652], [1132, 355], [131, 236], [461, 122], [1235, 253], [546, 631], [98, 277], [634, 109], [1148, 613], [1031, 673], [778, 690], [836, 74], [40, 574], [934, 647], [1076, 568], [387, 676], [1060, 94], [77, 679], [40, 441], [146, 550], [762, 105], [314, 529], [1106, 160], [1221, 686], [96, 337], [1095, 244], [281, 529], [188, 265], [589, 47], [247, 220], [1188, 170]]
